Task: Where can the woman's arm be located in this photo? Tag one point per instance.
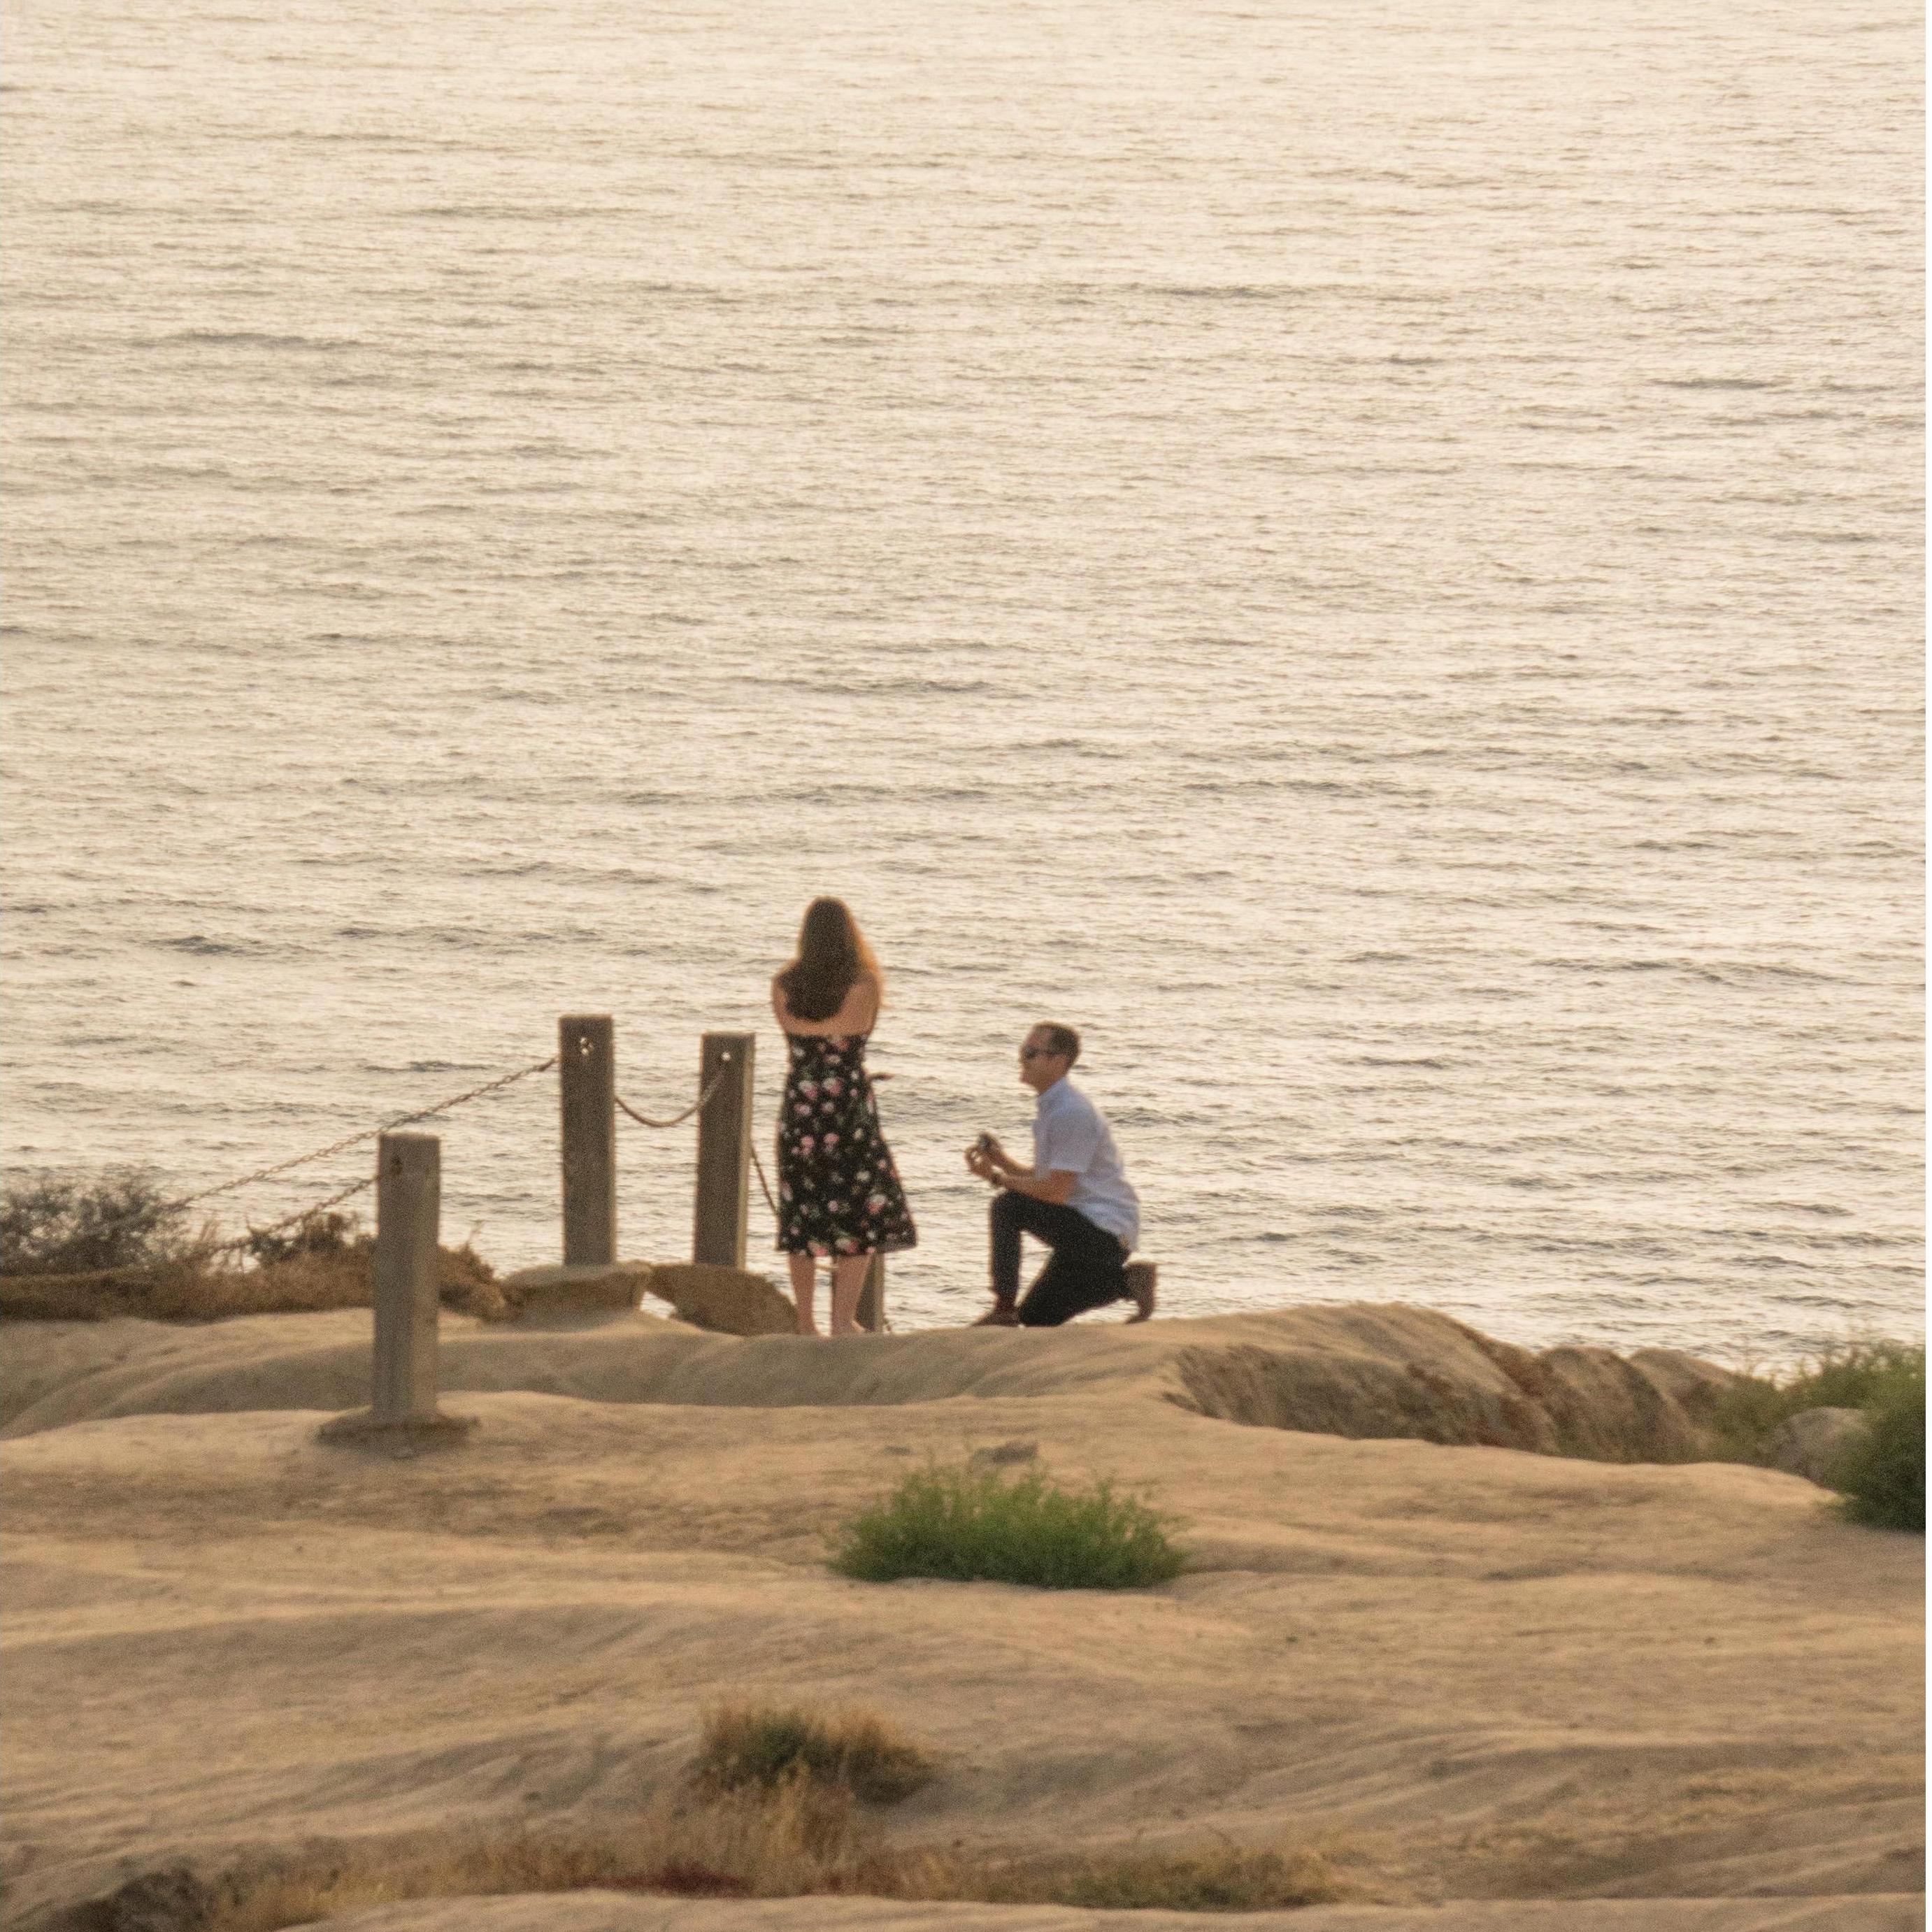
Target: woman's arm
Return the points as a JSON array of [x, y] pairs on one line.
[[860, 1012]]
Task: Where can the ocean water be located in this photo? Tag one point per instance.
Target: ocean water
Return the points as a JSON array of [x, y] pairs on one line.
[[1367, 555]]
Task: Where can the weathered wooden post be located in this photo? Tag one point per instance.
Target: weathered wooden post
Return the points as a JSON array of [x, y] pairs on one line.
[[872, 1312], [407, 1271], [724, 1150], [409, 1219], [587, 1091]]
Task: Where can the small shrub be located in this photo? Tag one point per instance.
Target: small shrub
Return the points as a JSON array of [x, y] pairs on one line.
[[1883, 1478], [1857, 1375], [67, 1224], [764, 1745], [322, 1233], [967, 1523]]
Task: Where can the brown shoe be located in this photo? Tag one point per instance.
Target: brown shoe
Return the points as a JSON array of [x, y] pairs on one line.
[[1140, 1289], [1001, 1314]]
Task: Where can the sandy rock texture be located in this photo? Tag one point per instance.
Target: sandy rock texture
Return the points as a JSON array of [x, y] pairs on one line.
[[1513, 1692]]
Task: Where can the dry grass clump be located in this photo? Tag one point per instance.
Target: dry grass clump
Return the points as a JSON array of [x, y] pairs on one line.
[[771, 1810], [86, 1248], [162, 1274], [1222, 1878], [798, 1838], [968, 1523], [765, 1745]]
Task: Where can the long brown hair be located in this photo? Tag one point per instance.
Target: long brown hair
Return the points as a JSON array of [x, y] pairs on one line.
[[832, 954]]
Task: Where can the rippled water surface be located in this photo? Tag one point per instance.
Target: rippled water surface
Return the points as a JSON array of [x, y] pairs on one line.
[[1368, 555]]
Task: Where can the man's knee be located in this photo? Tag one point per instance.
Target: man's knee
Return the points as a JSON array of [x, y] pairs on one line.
[[1008, 1209]]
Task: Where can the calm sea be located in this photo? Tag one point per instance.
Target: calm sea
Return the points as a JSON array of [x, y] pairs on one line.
[[1367, 553]]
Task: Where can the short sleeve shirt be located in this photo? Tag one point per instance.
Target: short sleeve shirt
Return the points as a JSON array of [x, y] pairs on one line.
[[1071, 1135]]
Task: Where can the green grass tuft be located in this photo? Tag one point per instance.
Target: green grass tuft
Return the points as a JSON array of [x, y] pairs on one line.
[[967, 1524], [765, 1745]]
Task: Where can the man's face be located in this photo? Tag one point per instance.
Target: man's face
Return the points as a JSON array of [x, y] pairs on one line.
[[1040, 1067]]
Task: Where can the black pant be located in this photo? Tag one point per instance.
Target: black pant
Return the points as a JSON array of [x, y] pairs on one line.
[[1084, 1271]]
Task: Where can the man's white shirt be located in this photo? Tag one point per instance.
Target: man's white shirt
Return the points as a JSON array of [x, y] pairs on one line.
[[1071, 1135]]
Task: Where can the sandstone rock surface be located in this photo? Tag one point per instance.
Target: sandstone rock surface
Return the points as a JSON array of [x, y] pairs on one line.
[[727, 1301], [572, 1289], [1521, 1693]]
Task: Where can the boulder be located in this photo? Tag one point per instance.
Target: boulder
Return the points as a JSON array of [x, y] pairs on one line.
[[727, 1300], [594, 1288], [1812, 1443]]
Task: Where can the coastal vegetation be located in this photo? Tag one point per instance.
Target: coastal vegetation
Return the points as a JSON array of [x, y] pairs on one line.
[[763, 1745], [75, 1249], [1882, 1477], [53, 1223], [967, 1523], [798, 1838]]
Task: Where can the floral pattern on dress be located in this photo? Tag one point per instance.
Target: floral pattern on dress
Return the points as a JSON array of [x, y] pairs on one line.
[[838, 1191]]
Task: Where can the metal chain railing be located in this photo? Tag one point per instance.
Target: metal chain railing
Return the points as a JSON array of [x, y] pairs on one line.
[[367, 1134], [128, 1270], [697, 1106], [765, 1186], [321, 1153], [295, 1220]]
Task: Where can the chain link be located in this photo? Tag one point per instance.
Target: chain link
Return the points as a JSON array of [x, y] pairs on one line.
[[764, 1185], [301, 1214], [367, 1134], [323, 1153], [697, 1106]]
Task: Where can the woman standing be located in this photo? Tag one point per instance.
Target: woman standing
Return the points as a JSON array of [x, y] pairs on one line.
[[839, 1196]]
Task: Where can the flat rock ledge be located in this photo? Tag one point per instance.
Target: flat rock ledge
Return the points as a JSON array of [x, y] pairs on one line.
[[725, 1300]]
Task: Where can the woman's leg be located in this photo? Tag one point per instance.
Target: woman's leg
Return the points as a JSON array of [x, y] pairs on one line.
[[848, 1283], [804, 1291]]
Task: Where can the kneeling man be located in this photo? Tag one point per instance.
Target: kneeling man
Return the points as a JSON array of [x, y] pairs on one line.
[[1075, 1198]]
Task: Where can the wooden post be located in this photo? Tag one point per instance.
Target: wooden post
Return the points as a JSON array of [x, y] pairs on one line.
[[409, 1208], [723, 1150], [402, 1412], [872, 1312], [587, 1089]]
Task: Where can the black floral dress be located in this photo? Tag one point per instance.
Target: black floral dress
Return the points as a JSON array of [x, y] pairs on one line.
[[838, 1192]]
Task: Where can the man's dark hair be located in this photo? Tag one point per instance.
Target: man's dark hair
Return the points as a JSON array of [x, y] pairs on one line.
[[1061, 1040]]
